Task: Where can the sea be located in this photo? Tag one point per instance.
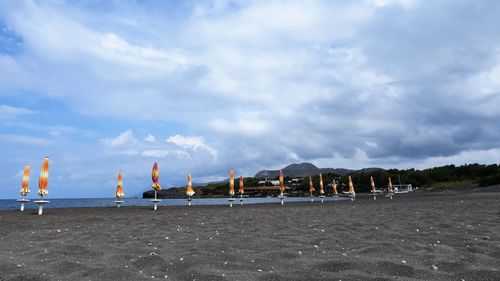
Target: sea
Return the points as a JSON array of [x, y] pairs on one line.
[[12, 204]]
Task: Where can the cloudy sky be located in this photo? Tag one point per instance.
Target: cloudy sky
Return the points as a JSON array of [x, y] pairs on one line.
[[205, 86]]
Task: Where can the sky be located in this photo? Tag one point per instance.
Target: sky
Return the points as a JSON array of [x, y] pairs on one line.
[[209, 86]]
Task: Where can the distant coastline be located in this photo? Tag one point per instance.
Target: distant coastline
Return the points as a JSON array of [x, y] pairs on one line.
[[449, 177]]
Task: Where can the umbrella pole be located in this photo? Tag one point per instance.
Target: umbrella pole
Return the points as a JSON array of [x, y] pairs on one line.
[[23, 201], [40, 208], [241, 199], [156, 198], [40, 204], [118, 202], [155, 201]]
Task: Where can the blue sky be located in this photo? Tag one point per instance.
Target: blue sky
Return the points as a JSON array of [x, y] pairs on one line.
[[203, 87]]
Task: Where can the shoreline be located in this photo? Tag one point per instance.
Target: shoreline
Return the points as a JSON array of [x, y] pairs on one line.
[[222, 201]]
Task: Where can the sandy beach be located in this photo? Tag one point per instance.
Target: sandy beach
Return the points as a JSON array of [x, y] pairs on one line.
[[451, 236]]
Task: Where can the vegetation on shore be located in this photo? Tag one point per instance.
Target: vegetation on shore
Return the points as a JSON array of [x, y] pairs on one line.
[[438, 178]]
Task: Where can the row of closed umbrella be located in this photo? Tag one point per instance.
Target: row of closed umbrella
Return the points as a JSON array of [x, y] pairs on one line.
[[155, 175]]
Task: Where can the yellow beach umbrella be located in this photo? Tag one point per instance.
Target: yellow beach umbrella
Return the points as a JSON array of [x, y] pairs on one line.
[[26, 178], [335, 192], [372, 184], [155, 176], [241, 186], [231, 183], [351, 186], [282, 183], [43, 181], [321, 190], [119, 187], [311, 187], [189, 189]]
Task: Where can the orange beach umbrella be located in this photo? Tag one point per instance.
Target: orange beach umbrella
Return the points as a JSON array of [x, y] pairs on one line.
[[119, 187], [335, 193], [241, 185], [26, 178], [351, 186], [372, 184], [43, 181], [155, 176], [282, 183], [321, 190], [311, 187], [231, 183], [189, 189], [389, 186]]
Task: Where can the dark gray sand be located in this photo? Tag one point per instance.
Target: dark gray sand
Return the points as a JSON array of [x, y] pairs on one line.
[[413, 237]]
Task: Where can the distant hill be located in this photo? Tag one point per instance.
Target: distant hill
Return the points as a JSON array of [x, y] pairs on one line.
[[304, 170]]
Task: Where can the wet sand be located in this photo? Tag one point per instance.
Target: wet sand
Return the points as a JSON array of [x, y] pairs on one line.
[[413, 237]]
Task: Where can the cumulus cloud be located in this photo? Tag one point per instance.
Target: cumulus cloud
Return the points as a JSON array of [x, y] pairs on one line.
[[150, 138], [193, 143], [125, 138]]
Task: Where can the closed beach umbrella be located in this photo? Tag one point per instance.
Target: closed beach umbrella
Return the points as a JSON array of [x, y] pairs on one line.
[[321, 190], [189, 189], [231, 183], [241, 185], [372, 184], [389, 186], [155, 176], [43, 181], [351, 186], [119, 187], [282, 183], [311, 187], [335, 193], [26, 179]]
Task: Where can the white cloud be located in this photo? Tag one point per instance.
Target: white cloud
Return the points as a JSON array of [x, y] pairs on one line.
[[7, 111], [193, 143], [125, 138], [249, 124], [160, 153], [127, 144], [116, 47], [150, 138]]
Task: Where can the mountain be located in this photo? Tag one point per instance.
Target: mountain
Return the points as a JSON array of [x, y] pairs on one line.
[[301, 170]]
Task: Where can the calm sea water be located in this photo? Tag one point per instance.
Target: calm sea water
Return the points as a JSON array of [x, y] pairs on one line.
[[11, 204]]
